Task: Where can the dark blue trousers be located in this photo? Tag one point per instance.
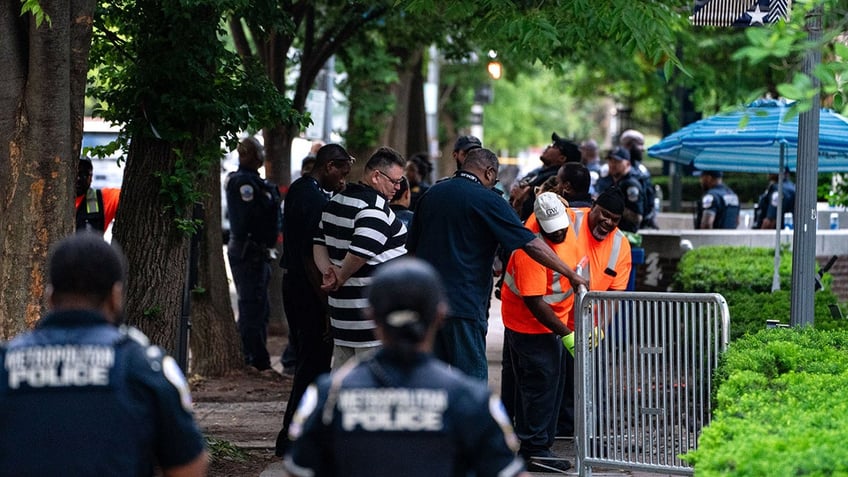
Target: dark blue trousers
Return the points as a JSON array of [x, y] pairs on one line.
[[251, 273], [306, 312], [537, 364], [461, 343]]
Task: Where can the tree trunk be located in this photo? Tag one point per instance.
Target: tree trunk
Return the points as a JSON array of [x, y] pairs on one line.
[[397, 134], [445, 164], [278, 142], [157, 252], [41, 81], [416, 135], [214, 339]]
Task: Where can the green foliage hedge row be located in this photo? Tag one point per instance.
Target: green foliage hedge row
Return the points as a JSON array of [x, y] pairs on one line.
[[747, 186], [780, 407], [743, 275]]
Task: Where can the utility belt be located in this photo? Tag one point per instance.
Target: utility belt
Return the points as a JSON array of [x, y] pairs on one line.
[[247, 248]]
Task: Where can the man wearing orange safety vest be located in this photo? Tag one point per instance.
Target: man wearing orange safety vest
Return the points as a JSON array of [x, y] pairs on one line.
[[536, 306], [95, 208], [607, 267], [605, 246]]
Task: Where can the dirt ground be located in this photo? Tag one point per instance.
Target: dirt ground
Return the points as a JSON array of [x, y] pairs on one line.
[[241, 414]]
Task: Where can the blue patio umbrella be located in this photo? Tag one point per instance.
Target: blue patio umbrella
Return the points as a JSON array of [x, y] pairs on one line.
[[765, 143]]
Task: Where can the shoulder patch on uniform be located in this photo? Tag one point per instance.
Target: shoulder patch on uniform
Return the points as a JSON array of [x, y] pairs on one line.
[[633, 193], [246, 191], [707, 201], [307, 406], [175, 376], [498, 412], [135, 334], [154, 355]]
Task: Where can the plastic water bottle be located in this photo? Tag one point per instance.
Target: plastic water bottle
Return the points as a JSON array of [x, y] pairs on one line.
[[834, 221], [787, 221]]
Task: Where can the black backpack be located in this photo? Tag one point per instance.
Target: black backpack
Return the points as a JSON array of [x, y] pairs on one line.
[[649, 215]]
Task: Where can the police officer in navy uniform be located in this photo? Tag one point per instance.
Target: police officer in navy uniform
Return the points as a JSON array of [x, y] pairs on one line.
[[623, 173], [80, 395], [766, 208], [401, 411], [719, 206], [255, 221]]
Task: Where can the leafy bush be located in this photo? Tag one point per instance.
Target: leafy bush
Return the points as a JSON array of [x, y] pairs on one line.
[[721, 269], [743, 275], [749, 311], [779, 408], [746, 185]]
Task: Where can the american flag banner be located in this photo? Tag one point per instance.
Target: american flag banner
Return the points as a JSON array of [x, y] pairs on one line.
[[739, 13]]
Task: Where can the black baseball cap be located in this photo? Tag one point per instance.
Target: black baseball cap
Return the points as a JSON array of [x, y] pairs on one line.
[[619, 153], [467, 143]]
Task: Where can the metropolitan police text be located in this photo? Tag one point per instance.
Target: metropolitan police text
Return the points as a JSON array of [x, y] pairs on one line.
[[393, 409], [60, 366]]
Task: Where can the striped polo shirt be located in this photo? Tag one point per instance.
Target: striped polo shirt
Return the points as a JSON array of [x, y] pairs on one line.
[[360, 221]]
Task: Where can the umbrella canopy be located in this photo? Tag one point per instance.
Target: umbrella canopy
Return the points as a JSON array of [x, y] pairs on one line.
[[718, 142]]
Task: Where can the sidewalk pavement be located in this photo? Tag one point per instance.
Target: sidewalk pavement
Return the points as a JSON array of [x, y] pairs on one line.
[[494, 347]]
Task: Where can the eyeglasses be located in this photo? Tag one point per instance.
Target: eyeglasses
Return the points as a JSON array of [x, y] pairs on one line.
[[495, 171], [396, 182]]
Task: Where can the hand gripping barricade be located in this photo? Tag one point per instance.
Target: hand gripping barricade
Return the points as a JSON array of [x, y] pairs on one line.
[[643, 390]]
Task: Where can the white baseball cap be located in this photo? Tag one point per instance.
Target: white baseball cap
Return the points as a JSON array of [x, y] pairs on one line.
[[550, 212]]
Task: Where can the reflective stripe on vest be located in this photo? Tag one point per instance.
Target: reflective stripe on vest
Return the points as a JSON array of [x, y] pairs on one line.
[[90, 213], [558, 295], [92, 206], [616, 246]]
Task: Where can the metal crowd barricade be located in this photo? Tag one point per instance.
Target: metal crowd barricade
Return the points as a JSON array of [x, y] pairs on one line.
[[644, 364]]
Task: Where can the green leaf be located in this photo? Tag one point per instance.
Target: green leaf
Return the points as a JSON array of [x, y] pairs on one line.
[[34, 7]]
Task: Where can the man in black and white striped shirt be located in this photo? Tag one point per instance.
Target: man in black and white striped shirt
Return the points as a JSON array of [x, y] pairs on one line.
[[357, 233]]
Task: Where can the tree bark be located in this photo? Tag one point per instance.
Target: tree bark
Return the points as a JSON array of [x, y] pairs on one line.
[[158, 255], [214, 339], [157, 252], [172, 156], [417, 127], [396, 134], [41, 82]]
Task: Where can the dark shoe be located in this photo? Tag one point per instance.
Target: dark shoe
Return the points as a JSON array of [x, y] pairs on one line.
[[262, 366], [548, 464], [283, 443]]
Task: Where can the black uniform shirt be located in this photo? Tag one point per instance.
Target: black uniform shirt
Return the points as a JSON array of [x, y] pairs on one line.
[[79, 396], [381, 418]]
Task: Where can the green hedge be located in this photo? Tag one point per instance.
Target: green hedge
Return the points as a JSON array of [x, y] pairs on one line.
[[780, 407], [743, 275], [747, 186]]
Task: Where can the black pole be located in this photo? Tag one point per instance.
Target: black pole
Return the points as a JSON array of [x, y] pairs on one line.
[[190, 283], [802, 304]]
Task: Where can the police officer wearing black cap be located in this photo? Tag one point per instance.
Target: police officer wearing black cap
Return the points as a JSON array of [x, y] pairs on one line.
[[624, 175], [255, 221], [401, 411], [80, 395], [461, 147]]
